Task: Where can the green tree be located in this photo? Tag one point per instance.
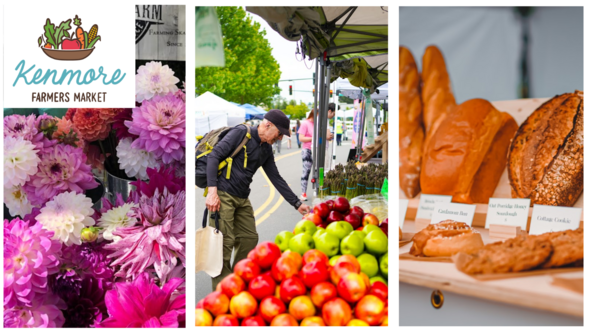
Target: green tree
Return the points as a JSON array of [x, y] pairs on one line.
[[296, 111], [251, 73]]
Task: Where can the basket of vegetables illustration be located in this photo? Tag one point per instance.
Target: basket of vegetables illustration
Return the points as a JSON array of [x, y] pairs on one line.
[[57, 42]]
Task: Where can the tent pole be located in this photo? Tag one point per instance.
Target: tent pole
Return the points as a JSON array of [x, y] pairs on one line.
[[324, 103], [318, 82], [362, 123]]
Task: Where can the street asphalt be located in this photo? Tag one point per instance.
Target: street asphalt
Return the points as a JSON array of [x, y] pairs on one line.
[[272, 213]]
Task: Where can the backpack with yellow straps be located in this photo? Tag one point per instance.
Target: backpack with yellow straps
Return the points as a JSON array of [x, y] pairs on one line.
[[205, 146]]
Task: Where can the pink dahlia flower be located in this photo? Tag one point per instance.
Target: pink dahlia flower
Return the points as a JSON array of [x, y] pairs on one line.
[[30, 256], [160, 124], [26, 127], [158, 239], [119, 124], [44, 311], [62, 168], [142, 303]]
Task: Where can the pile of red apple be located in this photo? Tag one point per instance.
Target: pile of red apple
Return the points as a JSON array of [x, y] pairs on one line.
[[339, 210], [277, 288]]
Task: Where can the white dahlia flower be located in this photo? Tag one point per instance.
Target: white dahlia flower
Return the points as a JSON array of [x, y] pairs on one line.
[[135, 161], [154, 79], [66, 215], [16, 201], [20, 161], [115, 218]]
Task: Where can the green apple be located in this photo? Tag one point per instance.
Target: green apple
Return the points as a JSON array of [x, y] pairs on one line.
[[341, 229], [301, 243], [327, 244], [368, 264], [384, 264], [333, 259], [320, 231], [305, 226], [376, 243], [378, 278], [369, 228], [282, 240], [352, 245], [361, 234]]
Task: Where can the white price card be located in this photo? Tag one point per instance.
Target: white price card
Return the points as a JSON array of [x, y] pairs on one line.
[[453, 211], [508, 211], [403, 204], [547, 218], [427, 204]]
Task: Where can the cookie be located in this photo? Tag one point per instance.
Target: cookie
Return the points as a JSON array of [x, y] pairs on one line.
[[568, 247], [514, 255]]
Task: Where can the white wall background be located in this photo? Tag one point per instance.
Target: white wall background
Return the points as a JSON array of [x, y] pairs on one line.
[[482, 48]]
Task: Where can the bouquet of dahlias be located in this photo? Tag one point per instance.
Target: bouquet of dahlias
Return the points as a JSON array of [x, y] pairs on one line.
[[70, 263]]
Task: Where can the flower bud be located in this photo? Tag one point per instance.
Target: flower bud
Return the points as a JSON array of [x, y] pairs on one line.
[[90, 234]]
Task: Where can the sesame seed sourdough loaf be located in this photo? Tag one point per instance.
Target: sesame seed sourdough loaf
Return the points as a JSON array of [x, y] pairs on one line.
[[446, 238], [436, 93], [468, 152], [545, 160], [411, 132]]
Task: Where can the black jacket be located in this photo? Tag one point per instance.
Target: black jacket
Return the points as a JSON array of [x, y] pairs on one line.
[[258, 154]]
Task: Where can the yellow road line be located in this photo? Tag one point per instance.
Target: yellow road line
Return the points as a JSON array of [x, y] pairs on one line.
[[267, 214], [270, 197], [280, 199], [272, 190]]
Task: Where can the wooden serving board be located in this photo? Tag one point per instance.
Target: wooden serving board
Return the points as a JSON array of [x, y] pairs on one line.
[[520, 110], [532, 291]]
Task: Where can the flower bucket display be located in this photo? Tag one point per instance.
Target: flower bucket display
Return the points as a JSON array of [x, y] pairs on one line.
[[78, 251]]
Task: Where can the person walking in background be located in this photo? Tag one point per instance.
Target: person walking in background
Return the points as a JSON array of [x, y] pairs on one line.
[[339, 130], [306, 138], [297, 127], [278, 145]]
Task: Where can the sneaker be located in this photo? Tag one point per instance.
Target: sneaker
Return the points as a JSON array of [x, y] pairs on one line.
[[303, 197]]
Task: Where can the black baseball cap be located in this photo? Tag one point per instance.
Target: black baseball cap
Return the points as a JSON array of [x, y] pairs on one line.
[[279, 119]]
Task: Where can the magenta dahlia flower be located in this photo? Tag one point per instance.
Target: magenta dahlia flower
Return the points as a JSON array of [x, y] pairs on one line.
[[62, 168], [160, 179], [30, 256], [158, 239], [160, 124], [121, 131], [142, 303], [44, 311]]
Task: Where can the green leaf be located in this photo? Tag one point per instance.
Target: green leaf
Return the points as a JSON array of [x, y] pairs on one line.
[[62, 30], [40, 40], [93, 41], [49, 33]]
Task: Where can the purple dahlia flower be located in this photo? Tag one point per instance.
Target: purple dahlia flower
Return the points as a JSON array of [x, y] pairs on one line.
[[160, 124], [88, 308], [62, 168]]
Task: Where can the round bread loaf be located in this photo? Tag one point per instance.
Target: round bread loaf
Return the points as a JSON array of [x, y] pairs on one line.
[[446, 238]]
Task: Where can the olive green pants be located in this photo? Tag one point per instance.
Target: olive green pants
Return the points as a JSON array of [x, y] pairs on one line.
[[238, 226]]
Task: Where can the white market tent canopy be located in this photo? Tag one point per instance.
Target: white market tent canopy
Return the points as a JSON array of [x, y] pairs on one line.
[[214, 112]]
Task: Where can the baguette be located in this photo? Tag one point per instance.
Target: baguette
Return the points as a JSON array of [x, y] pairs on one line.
[[411, 132], [545, 160], [438, 99]]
